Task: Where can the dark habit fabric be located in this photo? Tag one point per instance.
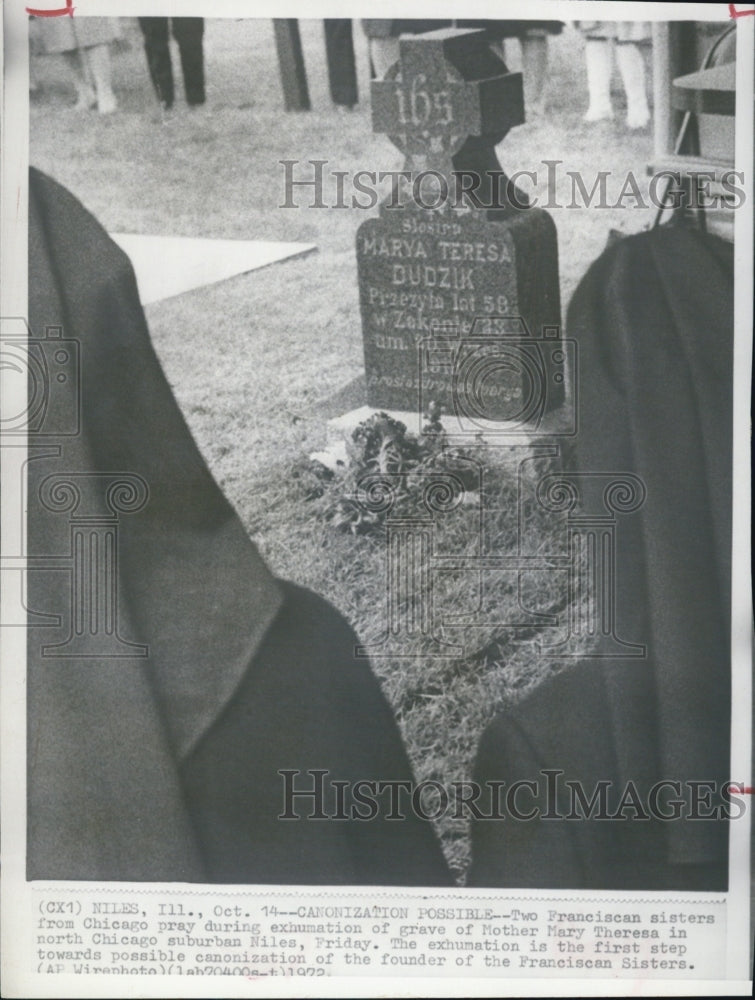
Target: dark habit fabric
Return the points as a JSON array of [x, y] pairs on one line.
[[653, 319], [170, 675]]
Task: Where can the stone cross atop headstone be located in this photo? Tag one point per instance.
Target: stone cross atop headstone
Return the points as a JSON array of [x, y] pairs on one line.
[[448, 102]]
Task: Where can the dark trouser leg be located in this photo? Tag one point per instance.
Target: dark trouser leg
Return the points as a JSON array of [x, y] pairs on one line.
[[339, 52], [188, 32], [155, 31]]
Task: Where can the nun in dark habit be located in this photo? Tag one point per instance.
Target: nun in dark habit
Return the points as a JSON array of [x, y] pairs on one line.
[[183, 677], [654, 321]]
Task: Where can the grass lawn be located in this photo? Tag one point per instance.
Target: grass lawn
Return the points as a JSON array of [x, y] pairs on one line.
[[254, 361]]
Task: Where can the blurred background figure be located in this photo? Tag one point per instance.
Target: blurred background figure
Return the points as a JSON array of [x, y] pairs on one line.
[[600, 37], [339, 52], [188, 33], [533, 39], [84, 44]]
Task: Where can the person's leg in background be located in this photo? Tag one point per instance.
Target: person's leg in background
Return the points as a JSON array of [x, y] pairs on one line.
[[85, 47], [157, 50], [534, 70], [383, 54], [339, 52], [91, 73], [598, 61], [97, 58], [78, 69], [632, 68], [382, 38], [189, 32]]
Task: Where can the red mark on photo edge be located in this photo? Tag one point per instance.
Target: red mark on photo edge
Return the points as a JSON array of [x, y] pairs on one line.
[[740, 790], [733, 12], [58, 12]]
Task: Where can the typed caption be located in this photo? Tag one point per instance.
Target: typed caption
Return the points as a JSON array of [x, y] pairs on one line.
[[256, 934]]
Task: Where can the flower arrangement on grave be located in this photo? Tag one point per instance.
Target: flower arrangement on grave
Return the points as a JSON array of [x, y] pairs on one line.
[[388, 470]]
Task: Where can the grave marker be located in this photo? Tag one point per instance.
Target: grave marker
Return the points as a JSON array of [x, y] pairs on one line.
[[471, 283]]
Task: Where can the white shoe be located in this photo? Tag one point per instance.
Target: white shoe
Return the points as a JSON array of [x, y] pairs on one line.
[[106, 103], [86, 100], [598, 114], [636, 122]]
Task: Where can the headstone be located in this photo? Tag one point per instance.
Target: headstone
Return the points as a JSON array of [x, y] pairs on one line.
[[460, 301]]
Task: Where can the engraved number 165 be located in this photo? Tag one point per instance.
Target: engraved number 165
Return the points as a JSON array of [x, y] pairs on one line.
[[421, 106]]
